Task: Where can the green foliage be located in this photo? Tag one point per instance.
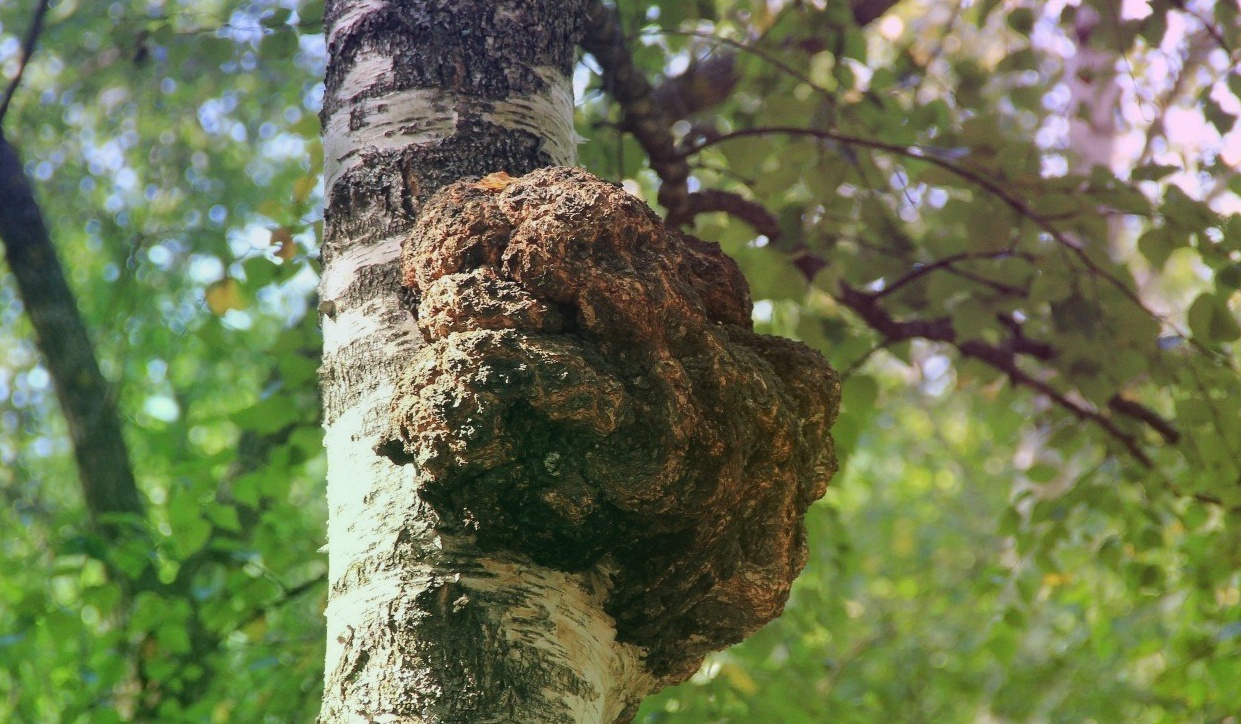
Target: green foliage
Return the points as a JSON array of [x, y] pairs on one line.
[[991, 550], [168, 143]]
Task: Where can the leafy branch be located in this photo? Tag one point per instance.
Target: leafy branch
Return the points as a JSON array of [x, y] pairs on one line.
[[933, 156], [1003, 357], [644, 116], [641, 115], [651, 126]]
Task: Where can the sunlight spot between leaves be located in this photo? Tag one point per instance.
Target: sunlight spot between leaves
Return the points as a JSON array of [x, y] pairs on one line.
[[763, 310], [891, 27], [162, 408]]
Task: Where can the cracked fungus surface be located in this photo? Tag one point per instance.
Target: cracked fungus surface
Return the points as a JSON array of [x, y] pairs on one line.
[[592, 393]]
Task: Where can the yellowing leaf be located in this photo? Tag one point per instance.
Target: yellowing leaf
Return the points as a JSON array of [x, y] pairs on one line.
[[225, 295], [272, 208], [303, 187], [282, 239], [1055, 580], [739, 678]]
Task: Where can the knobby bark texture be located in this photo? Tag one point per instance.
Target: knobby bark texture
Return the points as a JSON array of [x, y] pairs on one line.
[[592, 397], [561, 465]]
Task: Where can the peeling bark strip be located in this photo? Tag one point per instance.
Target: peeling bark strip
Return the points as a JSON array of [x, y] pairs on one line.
[[592, 397]]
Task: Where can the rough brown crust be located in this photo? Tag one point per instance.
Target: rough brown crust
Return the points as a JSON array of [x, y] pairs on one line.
[[591, 394]]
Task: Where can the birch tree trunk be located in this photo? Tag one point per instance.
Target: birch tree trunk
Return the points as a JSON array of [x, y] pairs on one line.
[[562, 467], [422, 628]]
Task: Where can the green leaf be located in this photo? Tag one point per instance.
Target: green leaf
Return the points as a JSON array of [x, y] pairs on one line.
[[190, 530], [1211, 321], [1185, 213], [1215, 113], [278, 45], [1023, 59], [859, 393], [269, 415], [1021, 20], [972, 320], [1157, 244], [310, 14], [260, 271], [1153, 172], [1042, 472], [1229, 277]]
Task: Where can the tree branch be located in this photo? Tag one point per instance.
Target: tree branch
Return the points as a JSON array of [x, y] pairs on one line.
[[735, 205], [103, 464], [32, 37], [650, 125], [1002, 358], [640, 114], [646, 112], [978, 178]]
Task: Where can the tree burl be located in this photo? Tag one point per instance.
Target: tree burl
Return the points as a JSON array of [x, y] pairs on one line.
[[591, 394]]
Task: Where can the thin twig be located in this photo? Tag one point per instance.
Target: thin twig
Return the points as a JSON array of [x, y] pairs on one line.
[[947, 261], [28, 43], [287, 595], [998, 357], [927, 154]]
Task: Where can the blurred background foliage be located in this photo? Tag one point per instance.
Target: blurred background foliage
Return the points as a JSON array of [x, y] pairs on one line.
[[1015, 227]]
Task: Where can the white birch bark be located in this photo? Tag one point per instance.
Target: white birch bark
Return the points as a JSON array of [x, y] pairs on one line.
[[423, 629]]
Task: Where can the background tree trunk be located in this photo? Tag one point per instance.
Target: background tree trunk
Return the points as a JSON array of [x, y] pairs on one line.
[[422, 627]]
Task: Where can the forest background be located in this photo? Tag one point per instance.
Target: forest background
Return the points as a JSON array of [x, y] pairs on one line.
[[1013, 227]]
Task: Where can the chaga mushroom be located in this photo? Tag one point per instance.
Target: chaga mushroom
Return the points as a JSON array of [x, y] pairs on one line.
[[591, 394]]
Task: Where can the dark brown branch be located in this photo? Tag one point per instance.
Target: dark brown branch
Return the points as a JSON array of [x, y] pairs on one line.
[[107, 478], [1024, 345], [704, 85], [1129, 408], [1002, 358], [643, 112], [751, 212], [641, 115], [977, 178], [28, 43]]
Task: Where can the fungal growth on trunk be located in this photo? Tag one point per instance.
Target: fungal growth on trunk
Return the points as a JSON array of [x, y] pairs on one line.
[[591, 395]]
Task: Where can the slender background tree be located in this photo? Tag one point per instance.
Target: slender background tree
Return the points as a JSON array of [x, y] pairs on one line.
[[1012, 227]]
